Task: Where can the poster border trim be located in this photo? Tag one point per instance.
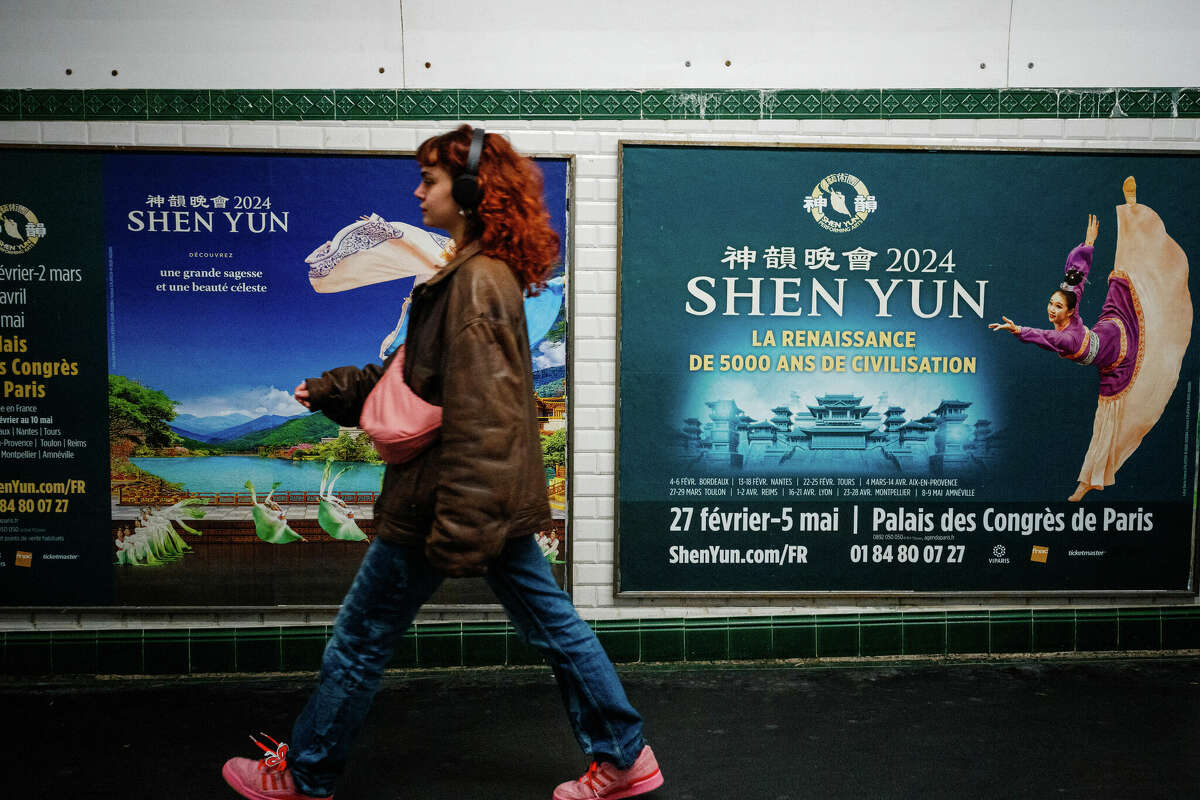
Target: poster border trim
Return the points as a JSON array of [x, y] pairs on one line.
[[1192, 589]]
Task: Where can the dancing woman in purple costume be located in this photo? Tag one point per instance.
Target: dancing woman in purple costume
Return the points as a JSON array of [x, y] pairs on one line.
[[1138, 341]]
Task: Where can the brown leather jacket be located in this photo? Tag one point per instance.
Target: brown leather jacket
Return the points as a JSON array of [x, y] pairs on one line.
[[482, 481]]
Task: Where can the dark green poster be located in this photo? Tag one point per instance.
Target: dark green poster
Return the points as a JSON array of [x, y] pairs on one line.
[[54, 480], [901, 370]]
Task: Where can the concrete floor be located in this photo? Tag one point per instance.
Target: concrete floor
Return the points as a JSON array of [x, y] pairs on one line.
[[1098, 728]]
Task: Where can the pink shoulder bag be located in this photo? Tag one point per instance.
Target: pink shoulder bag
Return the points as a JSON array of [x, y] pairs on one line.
[[399, 423]]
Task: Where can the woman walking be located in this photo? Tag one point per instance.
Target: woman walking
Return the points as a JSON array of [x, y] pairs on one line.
[[471, 502]]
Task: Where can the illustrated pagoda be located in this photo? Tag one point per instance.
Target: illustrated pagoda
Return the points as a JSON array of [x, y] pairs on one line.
[[840, 422]]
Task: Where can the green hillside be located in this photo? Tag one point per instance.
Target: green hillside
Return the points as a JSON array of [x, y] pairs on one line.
[[312, 428], [195, 444]]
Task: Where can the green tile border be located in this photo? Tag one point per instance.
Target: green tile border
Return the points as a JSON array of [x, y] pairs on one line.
[[179, 651], [1139, 629], [120, 652], [484, 104], [1029, 103], [909, 103], [968, 632], [1095, 630], [258, 649], [304, 104], [794, 104], [706, 639], [51, 104], [838, 635], [166, 652], [178, 104], [1053, 631], [236, 104], [10, 104], [486, 646], [881, 634], [1186, 101], [551, 104], [924, 633], [118, 104], [365, 104], [1011, 631], [794, 637], [751, 638], [968, 103], [583, 104], [213, 650], [427, 105], [441, 644], [301, 648]]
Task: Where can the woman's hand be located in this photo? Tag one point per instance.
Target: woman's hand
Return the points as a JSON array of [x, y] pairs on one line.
[[1007, 325], [301, 394], [1093, 230]]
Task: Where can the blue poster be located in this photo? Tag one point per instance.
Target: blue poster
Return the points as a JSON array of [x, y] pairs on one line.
[[232, 279], [856, 370]]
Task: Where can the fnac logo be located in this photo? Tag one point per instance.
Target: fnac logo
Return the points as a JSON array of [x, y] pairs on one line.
[[24, 559], [840, 202]]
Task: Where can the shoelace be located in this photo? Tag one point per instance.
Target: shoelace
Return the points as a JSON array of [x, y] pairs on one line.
[[272, 759], [594, 779]]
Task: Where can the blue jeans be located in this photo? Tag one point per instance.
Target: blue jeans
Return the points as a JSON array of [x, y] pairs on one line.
[[392, 584]]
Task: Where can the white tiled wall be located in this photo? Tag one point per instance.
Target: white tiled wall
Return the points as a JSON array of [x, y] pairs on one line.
[[594, 145], [696, 44]]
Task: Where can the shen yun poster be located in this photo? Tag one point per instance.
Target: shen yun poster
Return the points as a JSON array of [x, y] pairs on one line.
[[896, 371], [201, 288]]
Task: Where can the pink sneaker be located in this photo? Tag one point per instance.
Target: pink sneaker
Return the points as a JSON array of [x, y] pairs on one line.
[[605, 781], [265, 779]]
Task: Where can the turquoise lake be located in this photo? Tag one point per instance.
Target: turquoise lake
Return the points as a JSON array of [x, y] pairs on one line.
[[230, 473]]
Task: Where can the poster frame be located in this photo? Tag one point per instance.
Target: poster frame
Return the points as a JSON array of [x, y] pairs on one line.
[[568, 258], [974, 595]]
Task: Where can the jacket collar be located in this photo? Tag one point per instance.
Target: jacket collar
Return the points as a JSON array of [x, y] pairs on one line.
[[471, 248]]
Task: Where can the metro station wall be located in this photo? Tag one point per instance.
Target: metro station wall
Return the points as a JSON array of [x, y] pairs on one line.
[[1020, 87], [593, 143]]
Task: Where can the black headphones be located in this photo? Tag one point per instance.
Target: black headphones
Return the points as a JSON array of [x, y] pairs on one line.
[[465, 189]]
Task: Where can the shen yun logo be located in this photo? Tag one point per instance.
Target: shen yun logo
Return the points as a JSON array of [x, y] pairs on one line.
[[828, 206], [19, 229]]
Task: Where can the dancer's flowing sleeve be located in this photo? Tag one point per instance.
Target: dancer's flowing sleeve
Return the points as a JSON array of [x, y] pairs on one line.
[[1080, 260], [1062, 342], [373, 250]]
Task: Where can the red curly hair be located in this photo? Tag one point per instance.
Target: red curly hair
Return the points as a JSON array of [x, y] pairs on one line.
[[511, 222]]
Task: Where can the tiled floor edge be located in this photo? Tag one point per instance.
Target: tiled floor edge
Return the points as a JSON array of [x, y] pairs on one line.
[[159, 105], [474, 644]]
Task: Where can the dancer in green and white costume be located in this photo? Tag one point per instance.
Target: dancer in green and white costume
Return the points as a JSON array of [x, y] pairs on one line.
[[334, 516], [270, 521]]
